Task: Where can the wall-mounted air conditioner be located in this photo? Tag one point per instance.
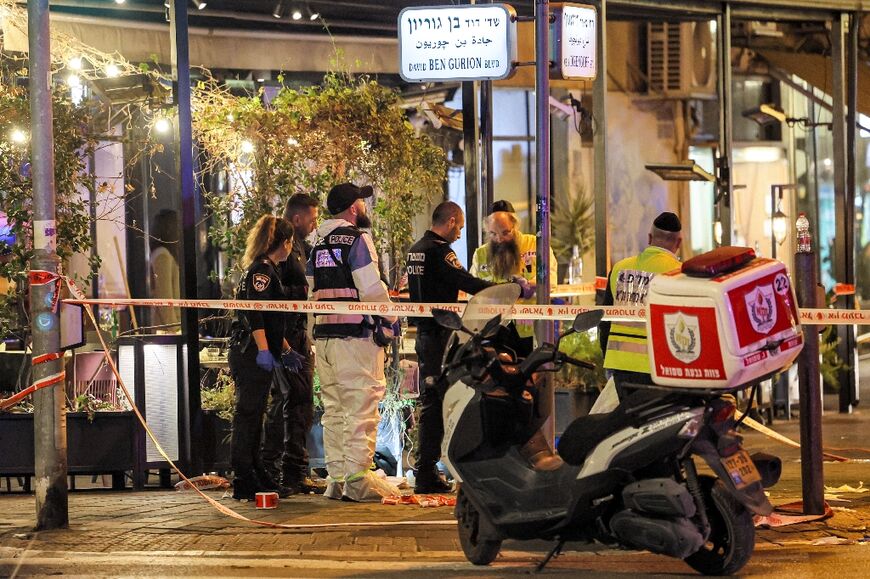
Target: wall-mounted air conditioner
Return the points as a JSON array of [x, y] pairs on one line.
[[681, 59]]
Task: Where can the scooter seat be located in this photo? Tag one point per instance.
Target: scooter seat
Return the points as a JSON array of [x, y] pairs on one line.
[[584, 434]]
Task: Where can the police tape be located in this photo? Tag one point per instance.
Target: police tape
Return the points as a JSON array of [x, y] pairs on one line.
[[809, 316]]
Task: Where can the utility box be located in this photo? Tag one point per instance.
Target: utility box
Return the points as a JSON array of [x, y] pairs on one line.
[[725, 319]]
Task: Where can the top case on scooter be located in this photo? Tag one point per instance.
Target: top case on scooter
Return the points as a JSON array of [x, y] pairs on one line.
[[724, 330]]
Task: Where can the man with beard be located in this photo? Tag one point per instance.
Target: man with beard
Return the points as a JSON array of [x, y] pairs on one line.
[[435, 275], [350, 356], [290, 413], [509, 253]]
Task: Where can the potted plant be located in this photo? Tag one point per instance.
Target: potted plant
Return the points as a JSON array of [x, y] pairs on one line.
[[217, 420], [577, 388]]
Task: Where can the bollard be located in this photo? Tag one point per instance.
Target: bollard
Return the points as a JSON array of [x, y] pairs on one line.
[[812, 473]]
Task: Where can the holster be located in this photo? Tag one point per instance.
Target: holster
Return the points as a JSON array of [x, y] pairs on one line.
[[382, 330], [240, 337]]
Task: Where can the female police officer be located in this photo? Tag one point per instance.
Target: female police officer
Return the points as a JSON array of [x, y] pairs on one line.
[[256, 347]]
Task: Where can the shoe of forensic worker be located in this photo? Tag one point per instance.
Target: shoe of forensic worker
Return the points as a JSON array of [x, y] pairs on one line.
[[368, 487]]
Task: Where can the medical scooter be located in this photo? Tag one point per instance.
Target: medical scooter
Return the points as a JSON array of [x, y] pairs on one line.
[[625, 478]]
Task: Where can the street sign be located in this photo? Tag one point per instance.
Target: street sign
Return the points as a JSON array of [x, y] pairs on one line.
[[470, 42], [575, 41]]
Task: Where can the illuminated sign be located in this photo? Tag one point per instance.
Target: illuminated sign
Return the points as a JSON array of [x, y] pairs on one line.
[[574, 39], [470, 42]]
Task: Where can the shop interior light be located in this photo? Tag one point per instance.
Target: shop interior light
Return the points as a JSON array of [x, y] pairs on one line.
[[312, 13], [74, 63], [780, 226], [120, 1], [162, 125], [278, 11], [683, 171], [113, 70], [73, 80], [296, 11], [199, 4], [766, 114]]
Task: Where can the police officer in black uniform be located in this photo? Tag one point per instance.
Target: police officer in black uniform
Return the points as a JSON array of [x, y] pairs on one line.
[[257, 347], [290, 413], [435, 275]]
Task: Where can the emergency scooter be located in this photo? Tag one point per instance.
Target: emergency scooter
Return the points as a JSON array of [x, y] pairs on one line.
[[629, 477]]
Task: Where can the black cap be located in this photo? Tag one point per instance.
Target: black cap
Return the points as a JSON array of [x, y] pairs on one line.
[[668, 221], [343, 196], [501, 205]]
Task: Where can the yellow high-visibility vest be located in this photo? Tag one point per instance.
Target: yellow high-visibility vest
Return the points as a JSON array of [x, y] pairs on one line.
[[629, 283]]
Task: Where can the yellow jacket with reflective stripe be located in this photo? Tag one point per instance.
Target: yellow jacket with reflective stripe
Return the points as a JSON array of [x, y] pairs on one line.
[[527, 268], [629, 283]]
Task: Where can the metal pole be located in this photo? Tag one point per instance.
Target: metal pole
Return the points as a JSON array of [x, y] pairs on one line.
[[812, 475], [486, 143], [772, 213], [723, 65], [844, 204], [49, 420], [190, 408], [471, 155], [599, 144], [544, 330]]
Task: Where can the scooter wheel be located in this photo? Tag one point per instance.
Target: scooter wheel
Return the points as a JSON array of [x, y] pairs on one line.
[[477, 550], [732, 532]]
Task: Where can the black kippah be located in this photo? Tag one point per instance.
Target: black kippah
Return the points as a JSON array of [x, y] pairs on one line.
[[668, 221]]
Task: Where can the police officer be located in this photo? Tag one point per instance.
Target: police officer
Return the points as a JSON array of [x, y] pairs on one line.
[[290, 412], [350, 348], [435, 275], [624, 343], [256, 346]]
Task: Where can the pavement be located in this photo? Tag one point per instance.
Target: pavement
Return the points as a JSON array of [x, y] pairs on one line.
[[168, 533]]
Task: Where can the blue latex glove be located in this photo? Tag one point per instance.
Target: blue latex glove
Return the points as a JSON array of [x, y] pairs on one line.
[[527, 289], [265, 360], [292, 360]]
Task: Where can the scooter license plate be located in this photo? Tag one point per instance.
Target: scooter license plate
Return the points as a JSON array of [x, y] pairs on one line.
[[741, 469]]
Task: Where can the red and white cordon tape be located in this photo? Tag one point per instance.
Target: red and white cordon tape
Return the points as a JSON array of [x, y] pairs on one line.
[[48, 277], [809, 316]]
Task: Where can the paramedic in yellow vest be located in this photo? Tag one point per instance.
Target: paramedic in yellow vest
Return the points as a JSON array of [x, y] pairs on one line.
[[509, 253], [624, 343]]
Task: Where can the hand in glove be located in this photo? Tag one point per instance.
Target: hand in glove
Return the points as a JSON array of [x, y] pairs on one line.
[[265, 360], [292, 360], [527, 289]]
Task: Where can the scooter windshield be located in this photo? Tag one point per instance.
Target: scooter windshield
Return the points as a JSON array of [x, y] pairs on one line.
[[479, 309]]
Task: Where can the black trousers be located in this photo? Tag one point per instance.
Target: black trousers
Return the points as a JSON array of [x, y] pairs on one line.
[[289, 417], [252, 390], [430, 347]]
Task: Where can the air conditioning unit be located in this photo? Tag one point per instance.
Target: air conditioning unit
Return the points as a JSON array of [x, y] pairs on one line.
[[681, 59]]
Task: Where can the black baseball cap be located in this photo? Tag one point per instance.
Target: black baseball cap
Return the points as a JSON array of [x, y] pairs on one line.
[[668, 221], [343, 196], [501, 205]]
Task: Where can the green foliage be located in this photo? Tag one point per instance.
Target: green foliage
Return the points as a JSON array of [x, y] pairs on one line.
[[573, 223], [90, 404], [345, 129], [220, 398], [72, 145], [583, 346], [830, 363]]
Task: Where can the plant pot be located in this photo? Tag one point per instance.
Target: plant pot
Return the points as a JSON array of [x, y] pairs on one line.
[[571, 404], [103, 445], [215, 442]]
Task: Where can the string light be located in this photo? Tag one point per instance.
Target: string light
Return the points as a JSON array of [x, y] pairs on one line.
[[247, 147], [112, 70], [18, 136], [73, 81], [74, 63]]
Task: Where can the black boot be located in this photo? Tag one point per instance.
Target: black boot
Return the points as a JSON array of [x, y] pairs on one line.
[[265, 483], [244, 488], [429, 481]]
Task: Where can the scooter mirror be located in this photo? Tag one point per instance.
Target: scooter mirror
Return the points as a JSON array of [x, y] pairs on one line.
[[587, 320], [447, 319]]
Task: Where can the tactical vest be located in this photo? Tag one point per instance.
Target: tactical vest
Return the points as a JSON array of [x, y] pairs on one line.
[[333, 282], [629, 283]]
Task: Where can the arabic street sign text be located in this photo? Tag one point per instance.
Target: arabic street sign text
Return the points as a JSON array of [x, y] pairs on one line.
[[471, 42]]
